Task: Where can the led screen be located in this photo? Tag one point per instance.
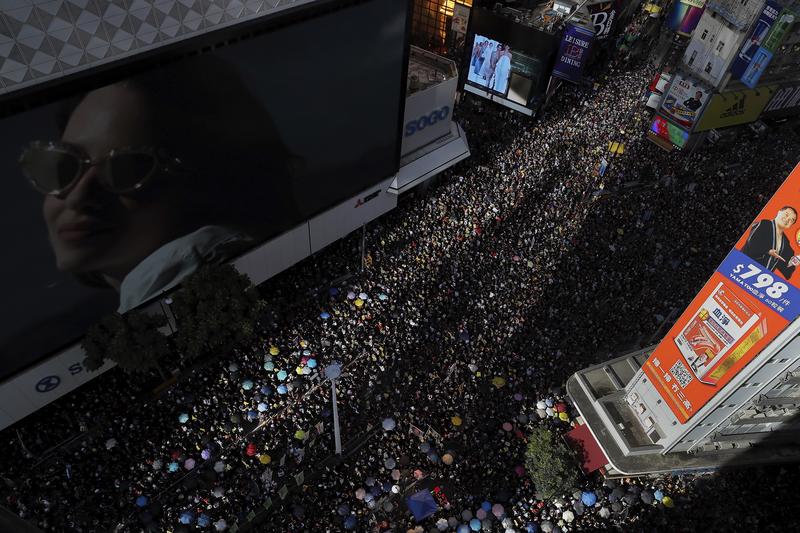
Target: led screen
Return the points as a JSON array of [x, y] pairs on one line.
[[115, 194], [490, 65]]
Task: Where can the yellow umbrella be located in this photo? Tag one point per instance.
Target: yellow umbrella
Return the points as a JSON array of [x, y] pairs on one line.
[[477, 374], [359, 302], [498, 382], [299, 370], [273, 350], [563, 416], [304, 344], [447, 459], [265, 459], [456, 420], [299, 434], [667, 501]]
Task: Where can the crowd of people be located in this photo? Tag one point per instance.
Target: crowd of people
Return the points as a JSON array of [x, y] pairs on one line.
[[482, 295]]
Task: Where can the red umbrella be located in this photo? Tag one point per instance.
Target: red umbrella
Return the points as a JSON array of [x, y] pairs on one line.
[[561, 407], [251, 450], [519, 470], [175, 454]]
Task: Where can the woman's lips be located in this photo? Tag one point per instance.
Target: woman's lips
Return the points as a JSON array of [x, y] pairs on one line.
[[80, 231]]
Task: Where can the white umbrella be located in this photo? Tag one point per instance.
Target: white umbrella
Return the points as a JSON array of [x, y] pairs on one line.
[[389, 424], [547, 526], [219, 467], [157, 464], [110, 443], [219, 491], [220, 525], [604, 512], [395, 474], [441, 524], [568, 516], [396, 489], [389, 463]]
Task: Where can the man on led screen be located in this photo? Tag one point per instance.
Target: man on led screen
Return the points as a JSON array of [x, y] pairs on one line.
[[769, 245]]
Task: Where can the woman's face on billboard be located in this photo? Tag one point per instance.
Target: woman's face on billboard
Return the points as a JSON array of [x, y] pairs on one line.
[[91, 229]]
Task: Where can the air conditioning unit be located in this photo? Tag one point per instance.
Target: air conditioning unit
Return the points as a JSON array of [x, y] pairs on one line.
[[649, 422]]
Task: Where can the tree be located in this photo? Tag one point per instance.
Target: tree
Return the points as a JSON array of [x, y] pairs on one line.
[[133, 341], [550, 463], [216, 310]]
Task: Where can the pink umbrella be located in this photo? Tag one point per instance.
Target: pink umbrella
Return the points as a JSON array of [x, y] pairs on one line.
[[395, 474], [189, 464], [518, 397], [498, 510], [480, 514], [519, 470], [418, 474], [507, 426], [360, 493]]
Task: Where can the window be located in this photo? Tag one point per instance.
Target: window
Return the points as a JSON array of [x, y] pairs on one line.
[[720, 46], [705, 34], [691, 59]]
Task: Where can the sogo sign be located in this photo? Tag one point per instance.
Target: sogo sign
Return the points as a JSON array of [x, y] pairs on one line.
[[437, 115]]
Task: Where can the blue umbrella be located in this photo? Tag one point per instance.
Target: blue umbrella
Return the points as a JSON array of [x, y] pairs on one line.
[[186, 517], [382, 297], [389, 424], [262, 407], [173, 467], [267, 390], [475, 524], [312, 363], [486, 506], [252, 415], [350, 522], [530, 527], [282, 375], [588, 498], [206, 454], [282, 389], [306, 352], [269, 365], [658, 495], [324, 315], [141, 501], [369, 481], [368, 497], [343, 510], [203, 520], [462, 529], [247, 384], [183, 418], [424, 447], [333, 291], [375, 490]]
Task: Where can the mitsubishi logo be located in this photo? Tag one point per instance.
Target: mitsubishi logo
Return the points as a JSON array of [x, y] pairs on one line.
[[46, 384]]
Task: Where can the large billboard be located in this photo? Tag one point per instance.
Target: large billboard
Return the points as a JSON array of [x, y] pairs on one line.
[[684, 100], [684, 16], [603, 16], [116, 192], [785, 102], [734, 108], [752, 44], [749, 300], [506, 61], [573, 53], [768, 48]]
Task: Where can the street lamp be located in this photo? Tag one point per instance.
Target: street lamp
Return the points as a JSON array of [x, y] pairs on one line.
[[332, 372]]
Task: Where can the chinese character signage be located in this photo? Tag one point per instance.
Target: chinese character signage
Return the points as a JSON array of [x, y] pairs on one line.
[[749, 300], [573, 53]]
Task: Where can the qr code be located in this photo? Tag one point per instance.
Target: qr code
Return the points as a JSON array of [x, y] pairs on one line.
[[680, 372]]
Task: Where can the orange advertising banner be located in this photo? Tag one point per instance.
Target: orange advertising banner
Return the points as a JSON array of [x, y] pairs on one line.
[[749, 300]]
